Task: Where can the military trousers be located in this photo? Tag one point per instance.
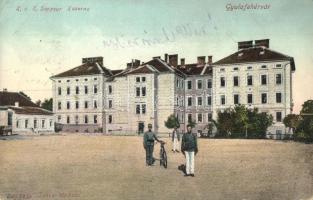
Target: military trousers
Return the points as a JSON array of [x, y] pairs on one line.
[[149, 154]]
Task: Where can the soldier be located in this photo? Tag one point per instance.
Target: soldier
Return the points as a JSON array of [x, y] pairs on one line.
[[189, 148], [175, 139], [148, 144]]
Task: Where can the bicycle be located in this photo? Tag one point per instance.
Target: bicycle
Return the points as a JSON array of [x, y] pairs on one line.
[[163, 156]]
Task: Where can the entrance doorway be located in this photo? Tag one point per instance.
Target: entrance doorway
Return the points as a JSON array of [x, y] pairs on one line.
[[141, 127]]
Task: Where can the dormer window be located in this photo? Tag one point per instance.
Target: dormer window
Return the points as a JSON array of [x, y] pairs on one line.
[[240, 54]]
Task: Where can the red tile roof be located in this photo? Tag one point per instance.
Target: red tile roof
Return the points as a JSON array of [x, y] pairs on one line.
[[85, 69], [9, 99], [30, 110], [254, 54]]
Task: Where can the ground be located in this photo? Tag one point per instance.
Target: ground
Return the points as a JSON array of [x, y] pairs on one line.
[[107, 167]]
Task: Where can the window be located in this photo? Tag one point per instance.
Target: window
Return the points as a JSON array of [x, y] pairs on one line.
[[77, 90], [68, 90], [77, 104], [35, 123], [50, 123], [17, 123], [26, 123], [110, 89], [189, 85], [236, 98], [59, 81], [177, 83], [95, 79], [222, 81], [68, 105], [199, 101], [95, 105], [110, 103], [110, 119], [86, 104], [222, 99], [76, 119], [200, 118], [143, 91], [222, 70], [235, 68], [249, 98], [209, 83], [209, 100], [67, 80], [95, 119], [278, 97], [263, 79], [249, 80], [189, 100], [137, 109], [264, 98], [249, 67], [86, 119], [143, 79], [138, 79], [59, 105], [278, 116], [278, 65], [263, 66], [278, 79], [59, 91], [236, 81], [199, 84], [77, 80], [95, 89], [143, 107], [86, 79], [189, 117], [86, 89], [43, 123], [68, 119], [209, 117], [137, 91], [59, 118]]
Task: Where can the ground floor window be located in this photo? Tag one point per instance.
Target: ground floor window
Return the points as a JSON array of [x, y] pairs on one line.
[[110, 119], [35, 123], [189, 117], [86, 119], [200, 118], [26, 123], [95, 119], [43, 123]]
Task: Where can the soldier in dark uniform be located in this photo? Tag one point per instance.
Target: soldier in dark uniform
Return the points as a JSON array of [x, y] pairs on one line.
[[148, 144]]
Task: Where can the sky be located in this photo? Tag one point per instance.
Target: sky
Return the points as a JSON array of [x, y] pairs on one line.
[[39, 39]]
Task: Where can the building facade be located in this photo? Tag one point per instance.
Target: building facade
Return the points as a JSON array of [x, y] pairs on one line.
[[19, 115], [93, 98]]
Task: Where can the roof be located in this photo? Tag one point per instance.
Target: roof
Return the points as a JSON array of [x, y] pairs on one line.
[[85, 69], [255, 54], [195, 69], [159, 65], [117, 71], [142, 70], [9, 99], [30, 110]]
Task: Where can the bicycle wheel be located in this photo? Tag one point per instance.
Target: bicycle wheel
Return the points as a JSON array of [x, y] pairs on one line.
[[164, 159], [161, 159]]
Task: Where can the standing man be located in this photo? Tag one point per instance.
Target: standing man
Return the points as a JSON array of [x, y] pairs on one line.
[[148, 144], [175, 139], [189, 148]]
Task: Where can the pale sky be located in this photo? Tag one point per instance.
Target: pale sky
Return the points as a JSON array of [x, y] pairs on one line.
[[36, 43]]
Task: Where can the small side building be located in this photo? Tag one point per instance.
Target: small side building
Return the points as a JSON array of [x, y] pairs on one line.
[[19, 115]]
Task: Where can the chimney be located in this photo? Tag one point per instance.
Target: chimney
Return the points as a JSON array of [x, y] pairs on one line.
[[16, 104], [165, 57], [262, 43], [182, 61], [136, 63], [99, 60], [173, 60], [209, 59], [201, 60], [5, 90], [245, 44]]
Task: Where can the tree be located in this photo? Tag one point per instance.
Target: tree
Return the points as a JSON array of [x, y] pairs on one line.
[[47, 104], [305, 127], [225, 122], [38, 103], [292, 122], [172, 122]]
